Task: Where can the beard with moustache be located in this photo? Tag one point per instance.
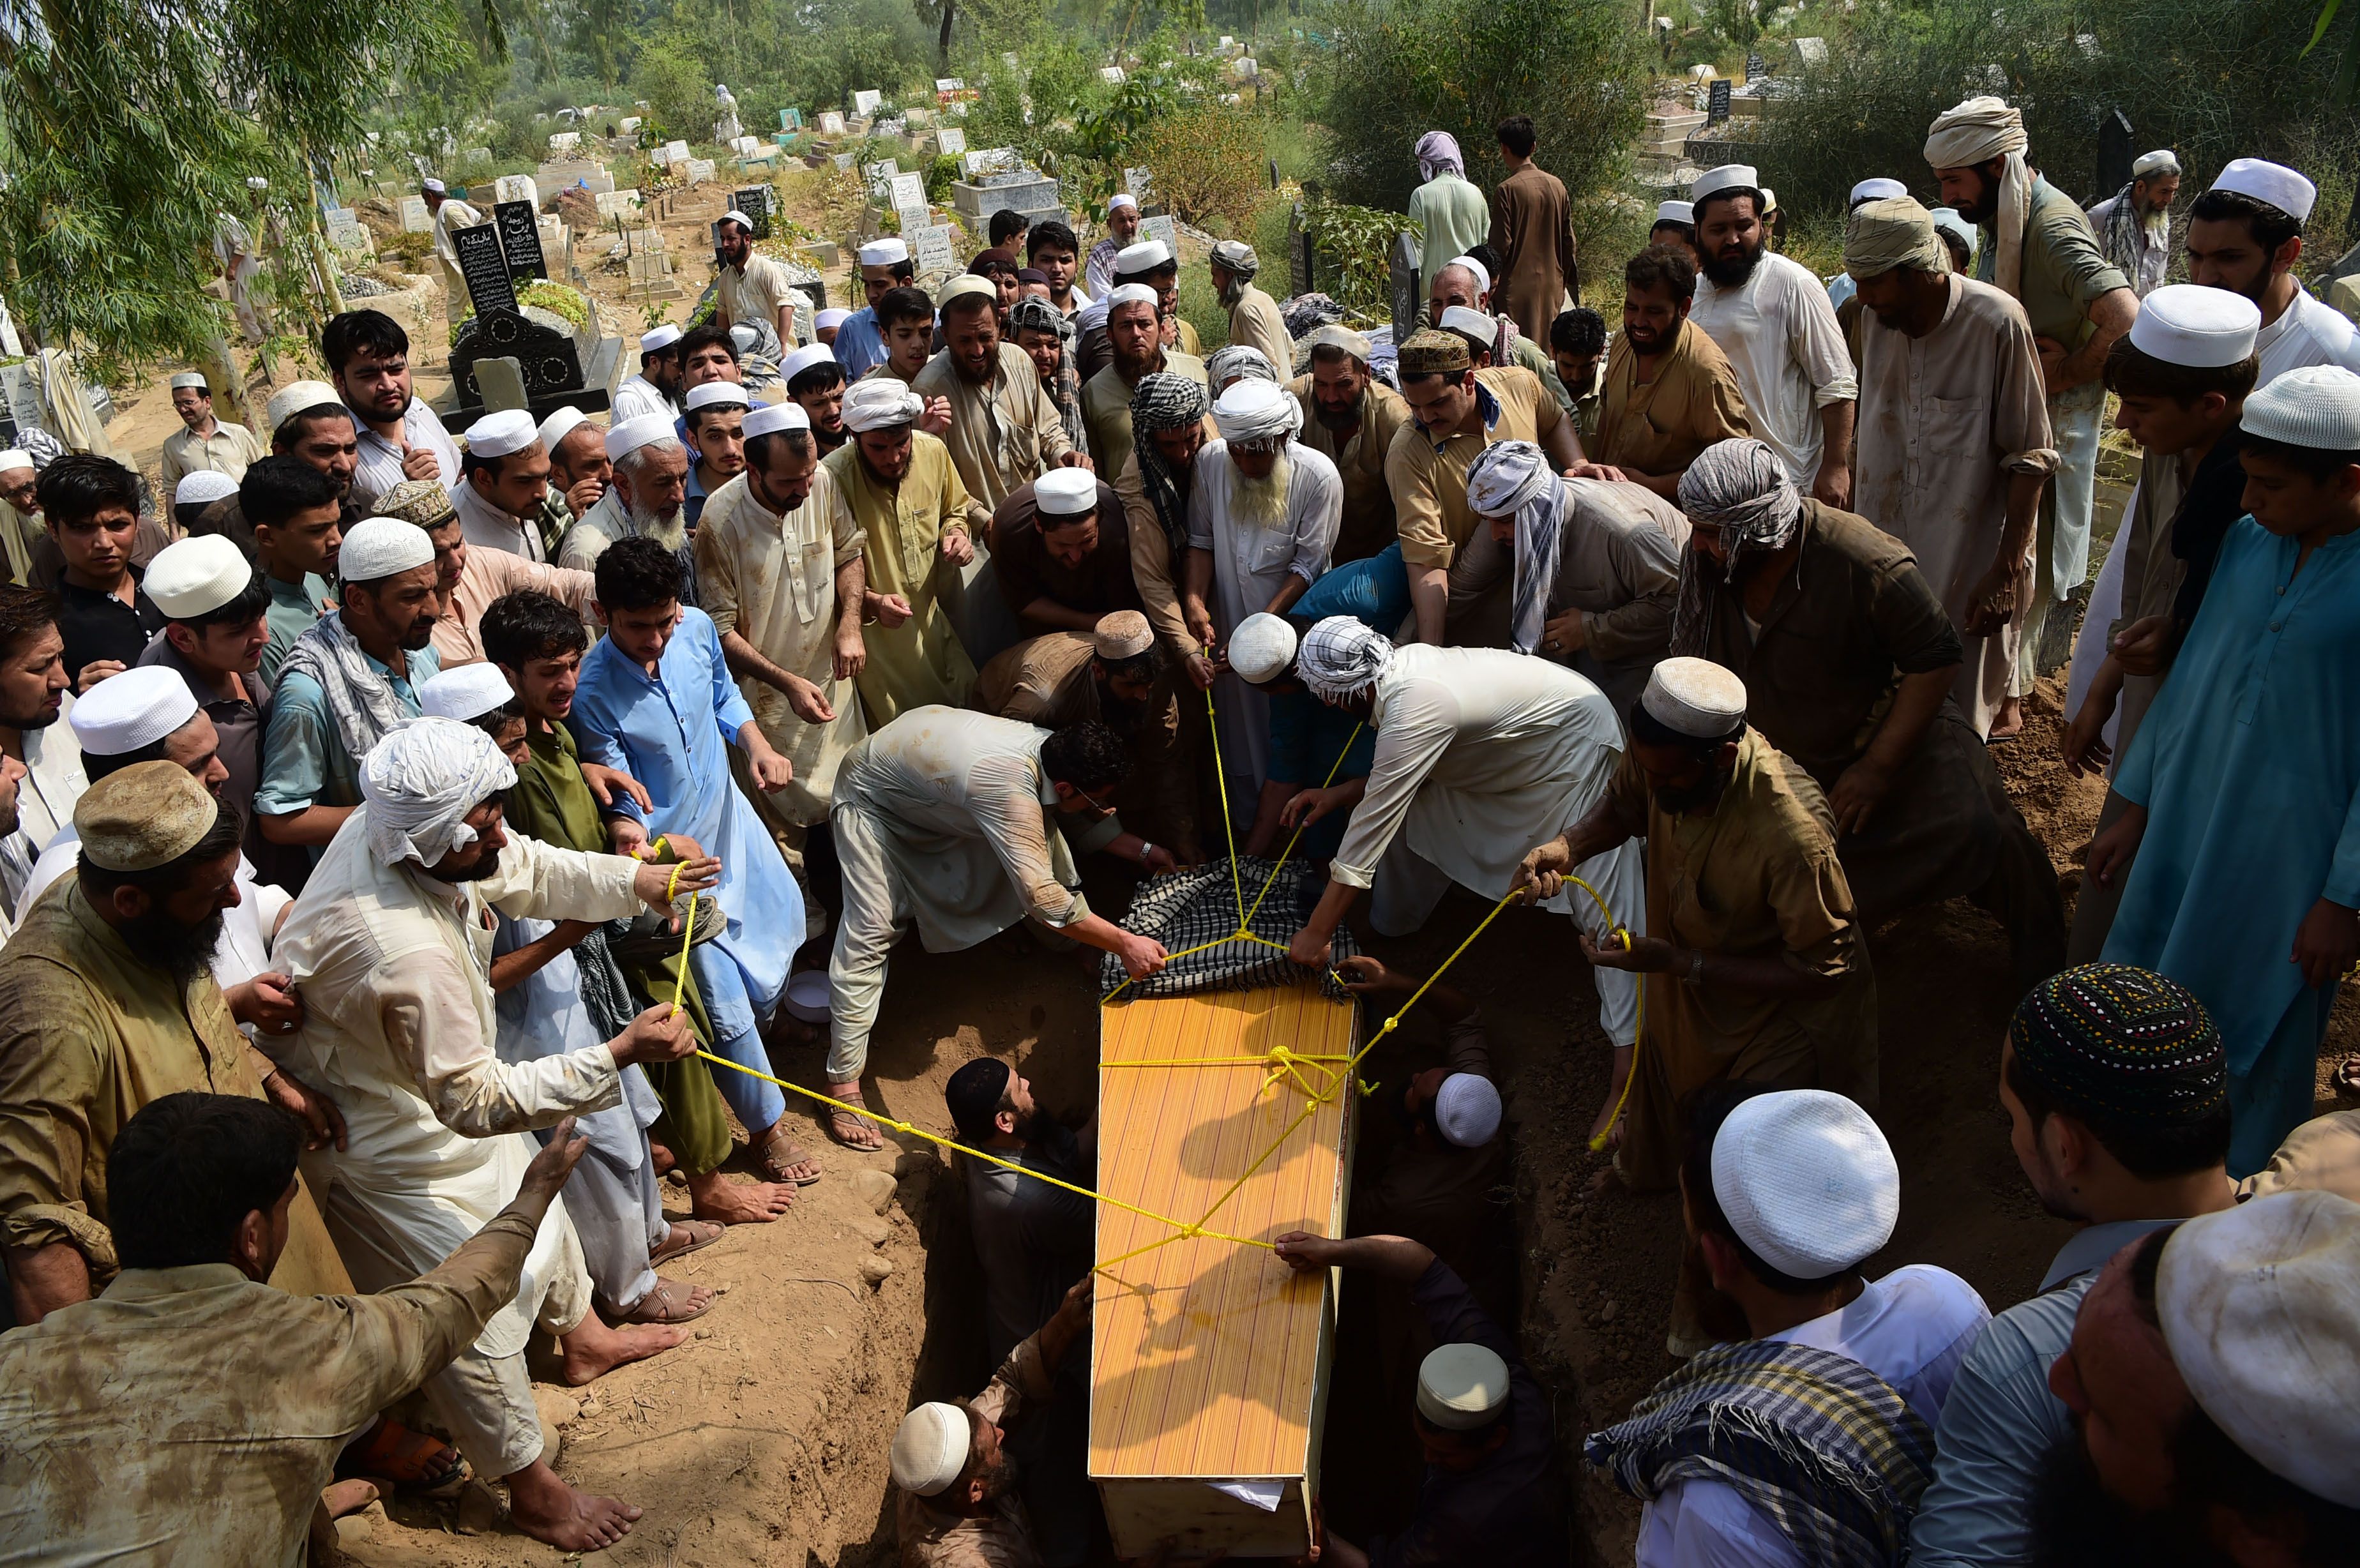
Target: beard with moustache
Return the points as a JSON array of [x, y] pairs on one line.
[[1728, 272], [668, 530], [1261, 502], [179, 949], [2076, 1522], [1702, 795]]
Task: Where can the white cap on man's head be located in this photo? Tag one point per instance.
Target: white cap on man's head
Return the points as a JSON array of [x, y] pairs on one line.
[[378, 548], [706, 394], [501, 435], [661, 336], [1474, 323], [1695, 697], [632, 434], [964, 284], [803, 358], [2205, 329], [1145, 256], [435, 186], [887, 252], [199, 488], [1877, 189], [136, 708], [466, 693], [930, 1448], [738, 218], [196, 576], [294, 398], [834, 316], [14, 458], [1120, 634], [2275, 183], [774, 419], [2255, 1305], [1728, 176], [1065, 492], [1466, 1110], [2317, 405], [1676, 213], [2162, 160], [1262, 646], [1475, 269], [189, 380], [561, 424], [1807, 1181], [1118, 200], [1461, 1386]]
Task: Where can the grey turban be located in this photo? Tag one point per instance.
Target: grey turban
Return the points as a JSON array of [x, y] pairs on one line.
[[1741, 488], [1238, 256], [1239, 362]]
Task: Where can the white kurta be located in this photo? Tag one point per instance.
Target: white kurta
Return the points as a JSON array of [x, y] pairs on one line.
[[2309, 332], [53, 781], [1779, 334], [639, 396], [1481, 756], [1250, 564], [1946, 423], [486, 527]]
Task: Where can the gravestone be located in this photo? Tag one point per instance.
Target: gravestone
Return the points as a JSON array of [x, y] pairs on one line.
[[2115, 155], [1135, 180], [930, 248], [1274, 174], [791, 119], [565, 141], [831, 124], [674, 153], [983, 161], [1806, 53], [881, 171], [700, 170], [949, 141], [516, 188], [1111, 75], [865, 102], [1403, 285], [1755, 68], [1161, 227], [415, 218], [484, 266], [629, 124], [1716, 104], [908, 191], [1299, 271], [910, 218], [754, 201], [844, 162], [519, 225]]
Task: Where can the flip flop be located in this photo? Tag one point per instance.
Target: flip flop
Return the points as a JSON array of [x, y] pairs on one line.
[[839, 1120], [2346, 1076], [420, 1465], [666, 1303], [777, 1160], [687, 1237]]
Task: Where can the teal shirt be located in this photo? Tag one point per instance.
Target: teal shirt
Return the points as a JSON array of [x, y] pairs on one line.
[[303, 759], [292, 610], [1455, 219]]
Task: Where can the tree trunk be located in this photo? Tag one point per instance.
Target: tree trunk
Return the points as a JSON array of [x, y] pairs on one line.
[[942, 43]]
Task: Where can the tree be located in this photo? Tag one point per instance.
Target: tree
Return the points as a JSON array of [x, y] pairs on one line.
[[131, 125]]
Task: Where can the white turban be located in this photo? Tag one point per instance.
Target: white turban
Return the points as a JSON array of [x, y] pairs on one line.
[[1437, 153], [880, 402], [930, 1448], [1253, 411], [2160, 162], [1515, 479], [420, 782], [1342, 657], [1976, 132]]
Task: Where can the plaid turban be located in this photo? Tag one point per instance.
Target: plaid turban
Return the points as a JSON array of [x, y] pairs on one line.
[[1163, 402], [1342, 657], [2121, 1049]]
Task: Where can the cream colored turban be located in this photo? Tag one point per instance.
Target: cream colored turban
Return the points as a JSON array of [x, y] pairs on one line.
[[1976, 132], [1893, 231]]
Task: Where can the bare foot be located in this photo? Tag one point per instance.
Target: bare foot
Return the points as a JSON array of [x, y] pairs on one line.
[[2346, 1079], [664, 1157], [2008, 722], [546, 1508], [593, 1349], [713, 1196]]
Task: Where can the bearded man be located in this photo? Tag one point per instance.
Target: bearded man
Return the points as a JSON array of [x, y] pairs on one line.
[[2133, 225], [1005, 429], [1464, 283], [1138, 351], [648, 499], [1350, 417], [1263, 514], [1254, 320], [752, 286], [399, 436], [657, 387], [1770, 317], [1171, 422]]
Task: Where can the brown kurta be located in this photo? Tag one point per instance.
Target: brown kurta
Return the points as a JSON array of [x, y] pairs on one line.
[[1428, 479], [1659, 427], [1532, 228], [1255, 324], [1368, 525], [1046, 681], [1102, 584], [89, 1034], [1758, 878], [1151, 554]]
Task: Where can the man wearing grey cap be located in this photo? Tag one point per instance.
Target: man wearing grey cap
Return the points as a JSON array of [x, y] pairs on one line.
[[203, 441], [1254, 320], [1350, 417], [2133, 225]]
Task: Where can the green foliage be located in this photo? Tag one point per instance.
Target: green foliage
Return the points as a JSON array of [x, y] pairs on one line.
[[675, 89], [1357, 242], [1401, 68]]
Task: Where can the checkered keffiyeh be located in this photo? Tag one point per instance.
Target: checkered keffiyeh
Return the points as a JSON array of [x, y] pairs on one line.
[[1821, 1445], [1163, 401], [1199, 904], [1342, 657]]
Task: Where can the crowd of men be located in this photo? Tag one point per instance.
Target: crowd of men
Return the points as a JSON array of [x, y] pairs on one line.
[[354, 811]]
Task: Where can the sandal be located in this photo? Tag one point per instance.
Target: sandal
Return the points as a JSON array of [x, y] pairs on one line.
[[687, 1237], [668, 1302], [420, 1465], [853, 1131], [2346, 1076], [780, 1154]]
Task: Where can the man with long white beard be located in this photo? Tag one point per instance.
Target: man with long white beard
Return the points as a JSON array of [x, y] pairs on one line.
[[1254, 320], [648, 499], [2133, 225], [1262, 514], [1133, 337], [1772, 318]]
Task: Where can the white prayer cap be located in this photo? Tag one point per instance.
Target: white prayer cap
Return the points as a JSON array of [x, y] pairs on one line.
[[706, 394], [378, 548], [418, 783], [434, 186], [738, 218], [2317, 405], [15, 457], [136, 708], [1877, 189], [632, 434], [1461, 1386], [1695, 697], [803, 358], [930, 1449], [1466, 1110], [1255, 410], [887, 252], [189, 378], [2255, 1305], [1676, 213], [1131, 294], [1261, 648], [1144, 257], [195, 489], [834, 316], [1475, 269], [661, 336], [1728, 176], [196, 576], [2162, 160], [1769, 200], [880, 402], [501, 435], [1335, 334], [1474, 323], [1065, 492], [465, 694], [1950, 218], [1807, 1181], [1118, 200], [965, 283], [773, 419], [1124, 634], [293, 399], [2182, 323], [561, 424], [2272, 182]]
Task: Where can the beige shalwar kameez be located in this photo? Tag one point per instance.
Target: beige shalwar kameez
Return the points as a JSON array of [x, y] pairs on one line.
[[921, 661]]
